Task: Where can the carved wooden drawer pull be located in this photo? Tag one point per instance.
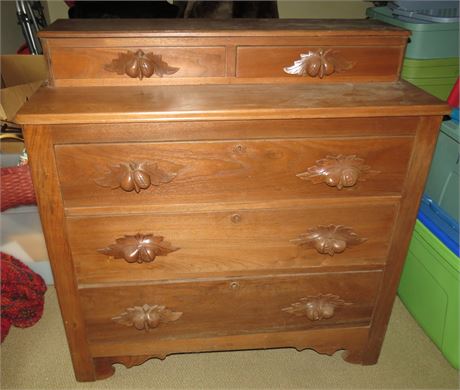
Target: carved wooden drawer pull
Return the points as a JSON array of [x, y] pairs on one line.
[[141, 248], [139, 65], [319, 63], [135, 176], [337, 171], [316, 308], [329, 239], [146, 317]]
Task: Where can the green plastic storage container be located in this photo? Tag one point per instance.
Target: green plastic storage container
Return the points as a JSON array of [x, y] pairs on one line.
[[428, 40], [429, 288], [439, 87], [443, 184], [437, 68]]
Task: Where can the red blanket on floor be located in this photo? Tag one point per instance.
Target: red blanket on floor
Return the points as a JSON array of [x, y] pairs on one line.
[[22, 295]]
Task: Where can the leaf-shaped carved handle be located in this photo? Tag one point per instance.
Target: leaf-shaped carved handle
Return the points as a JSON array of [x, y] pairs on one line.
[[140, 248], [319, 63], [146, 317], [139, 65], [329, 239], [316, 308], [338, 171], [135, 176]]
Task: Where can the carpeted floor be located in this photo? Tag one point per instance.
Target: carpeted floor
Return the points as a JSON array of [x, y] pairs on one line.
[[37, 358]]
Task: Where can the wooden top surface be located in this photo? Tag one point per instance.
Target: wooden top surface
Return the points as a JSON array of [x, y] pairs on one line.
[[226, 102], [212, 27]]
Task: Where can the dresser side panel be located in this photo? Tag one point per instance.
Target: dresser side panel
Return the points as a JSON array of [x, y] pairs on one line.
[[39, 144], [424, 145]]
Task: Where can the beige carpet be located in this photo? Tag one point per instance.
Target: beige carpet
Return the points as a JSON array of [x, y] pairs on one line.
[[37, 358]]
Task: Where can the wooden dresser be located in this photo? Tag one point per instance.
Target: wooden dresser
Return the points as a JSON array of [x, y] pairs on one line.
[[221, 185]]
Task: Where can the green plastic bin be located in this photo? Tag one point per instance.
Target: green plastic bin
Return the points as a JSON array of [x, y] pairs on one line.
[[429, 289], [428, 40], [437, 68], [439, 87], [443, 182]]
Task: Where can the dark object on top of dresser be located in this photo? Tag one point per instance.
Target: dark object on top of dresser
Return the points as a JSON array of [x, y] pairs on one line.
[[228, 9], [122, 9]]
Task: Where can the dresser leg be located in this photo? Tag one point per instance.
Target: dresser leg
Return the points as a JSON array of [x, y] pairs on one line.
[[104, 368], [353, 356]]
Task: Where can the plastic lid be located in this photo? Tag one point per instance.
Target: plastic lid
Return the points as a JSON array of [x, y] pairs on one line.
[[454, 115], [428, 16], [451, 129], [386, 14], [441, 224]]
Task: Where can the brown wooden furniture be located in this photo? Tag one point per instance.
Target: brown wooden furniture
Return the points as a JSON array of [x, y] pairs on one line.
[[268, 203]]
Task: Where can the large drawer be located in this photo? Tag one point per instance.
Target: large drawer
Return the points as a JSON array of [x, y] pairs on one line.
[[233, 171], [206, 244], [142, 315]]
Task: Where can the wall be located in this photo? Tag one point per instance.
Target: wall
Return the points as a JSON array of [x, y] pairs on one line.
[[345, 9], [11, 34], [55, 9]]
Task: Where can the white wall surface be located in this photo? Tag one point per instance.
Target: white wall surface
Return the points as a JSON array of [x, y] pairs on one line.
[[11, 34], [325, 9]]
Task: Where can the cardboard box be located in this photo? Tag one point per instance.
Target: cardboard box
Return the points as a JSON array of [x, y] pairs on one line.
[[22, 237], [21, 76]]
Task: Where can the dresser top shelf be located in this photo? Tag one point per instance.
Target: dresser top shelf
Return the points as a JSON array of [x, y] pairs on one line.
[[74, 28], [226, 102]]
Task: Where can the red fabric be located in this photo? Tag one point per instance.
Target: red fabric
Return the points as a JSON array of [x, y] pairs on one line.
[[453, 97], [24, 49], [17, 188], [22, 295]]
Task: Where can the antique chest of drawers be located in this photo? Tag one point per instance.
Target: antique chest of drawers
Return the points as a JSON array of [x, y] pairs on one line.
[[222, 185]]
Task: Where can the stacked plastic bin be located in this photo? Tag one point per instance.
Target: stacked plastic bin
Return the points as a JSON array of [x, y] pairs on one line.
[[431, 60], [430, 281]]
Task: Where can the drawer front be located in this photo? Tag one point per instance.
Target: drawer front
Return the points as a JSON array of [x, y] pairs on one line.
[[320, 63], [121, 248], [224, 59], [234, 171], [200, 309], [135, 63]]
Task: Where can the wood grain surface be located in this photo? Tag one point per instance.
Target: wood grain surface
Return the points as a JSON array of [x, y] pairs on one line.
[[225, 102], [269, 61], [227, 306], [322, 340], [425, 143], [240, 170], [43, 168], [226, 243], [82, 63], [237, 129], [64, 28]]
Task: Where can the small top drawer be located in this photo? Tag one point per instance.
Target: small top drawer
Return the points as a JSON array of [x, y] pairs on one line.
[[121, 64], [221, 51], [319, 63]]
